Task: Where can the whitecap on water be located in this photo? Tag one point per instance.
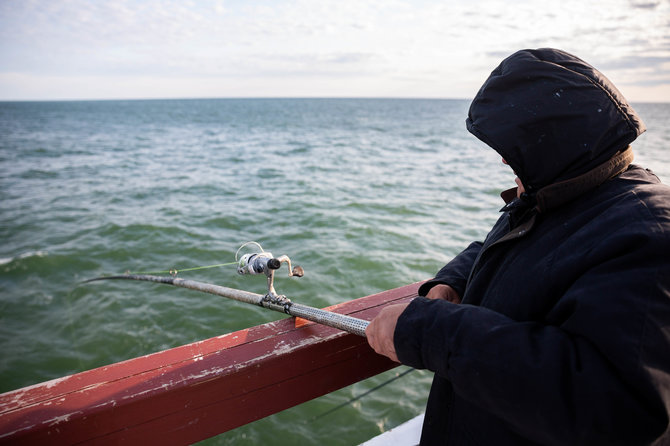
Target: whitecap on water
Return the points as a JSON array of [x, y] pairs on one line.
[[25, 255]]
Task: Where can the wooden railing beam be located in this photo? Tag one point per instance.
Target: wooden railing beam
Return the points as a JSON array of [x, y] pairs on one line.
[[192, 392]]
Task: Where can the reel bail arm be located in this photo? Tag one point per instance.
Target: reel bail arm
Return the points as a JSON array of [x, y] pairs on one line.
[[265, 263]]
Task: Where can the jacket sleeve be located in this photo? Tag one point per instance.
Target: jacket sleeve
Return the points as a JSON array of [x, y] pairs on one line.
[[601, 376], [456, 272]]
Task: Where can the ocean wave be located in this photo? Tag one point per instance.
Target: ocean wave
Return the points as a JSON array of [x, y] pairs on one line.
[[25, 255]]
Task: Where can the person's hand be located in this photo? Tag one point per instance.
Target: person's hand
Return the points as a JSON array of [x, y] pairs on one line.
[[380, 330], [444, 292]]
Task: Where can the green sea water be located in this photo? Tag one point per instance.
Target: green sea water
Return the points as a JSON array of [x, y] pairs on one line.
[[365, 194]]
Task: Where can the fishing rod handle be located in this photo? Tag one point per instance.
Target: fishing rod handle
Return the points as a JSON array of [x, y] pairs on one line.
[[336, 320]]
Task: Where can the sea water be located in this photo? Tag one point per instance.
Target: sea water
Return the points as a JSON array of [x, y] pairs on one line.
[[365, 194]]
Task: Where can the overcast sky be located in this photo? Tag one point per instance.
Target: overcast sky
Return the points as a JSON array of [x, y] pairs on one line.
[[76, 49]]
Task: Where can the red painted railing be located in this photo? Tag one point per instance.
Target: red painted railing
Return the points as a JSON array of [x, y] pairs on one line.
[[177, 396]]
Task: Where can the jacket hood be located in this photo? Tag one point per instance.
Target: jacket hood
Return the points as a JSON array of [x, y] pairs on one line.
[[551, 116]]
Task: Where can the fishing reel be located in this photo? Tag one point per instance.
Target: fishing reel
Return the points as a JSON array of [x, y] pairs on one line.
[[265, 263]]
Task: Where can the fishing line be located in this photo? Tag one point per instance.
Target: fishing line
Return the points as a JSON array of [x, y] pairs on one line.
[[353, 400], [174, 271]]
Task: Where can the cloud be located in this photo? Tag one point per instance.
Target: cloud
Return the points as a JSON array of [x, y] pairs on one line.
[[645, 4], [400, 47], [635, 61]]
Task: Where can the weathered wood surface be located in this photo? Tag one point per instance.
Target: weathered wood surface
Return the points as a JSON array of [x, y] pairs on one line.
[[199, 390]]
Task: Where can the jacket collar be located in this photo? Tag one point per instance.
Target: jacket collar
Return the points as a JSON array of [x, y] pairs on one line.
[[554, 195]]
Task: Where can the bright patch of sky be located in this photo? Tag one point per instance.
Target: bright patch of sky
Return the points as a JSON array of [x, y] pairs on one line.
[[81, 49]]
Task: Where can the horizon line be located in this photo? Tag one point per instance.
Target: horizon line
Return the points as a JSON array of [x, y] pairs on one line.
[[198, 98]]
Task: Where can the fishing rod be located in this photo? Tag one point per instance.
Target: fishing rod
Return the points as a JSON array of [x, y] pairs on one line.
[[258, 263]]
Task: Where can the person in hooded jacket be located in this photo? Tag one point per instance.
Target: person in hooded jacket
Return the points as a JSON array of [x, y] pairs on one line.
[[556, 329]]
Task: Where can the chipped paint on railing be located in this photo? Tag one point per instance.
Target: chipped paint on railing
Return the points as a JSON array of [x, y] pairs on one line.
[[175, 396]]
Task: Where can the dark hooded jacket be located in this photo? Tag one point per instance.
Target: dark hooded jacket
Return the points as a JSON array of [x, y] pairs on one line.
[[563, 333]]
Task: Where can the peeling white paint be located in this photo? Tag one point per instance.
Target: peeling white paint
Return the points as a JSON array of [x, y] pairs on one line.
[[282, 348], [55, 382], [106, 403], [60, 419], [17, 396]]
